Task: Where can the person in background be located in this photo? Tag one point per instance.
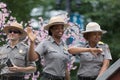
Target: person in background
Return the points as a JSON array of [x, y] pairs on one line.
[[92, 64], [13, 55], [53, 49]]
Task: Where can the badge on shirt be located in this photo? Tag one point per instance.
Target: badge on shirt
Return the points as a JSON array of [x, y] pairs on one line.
[[65, 48], [20, 51]]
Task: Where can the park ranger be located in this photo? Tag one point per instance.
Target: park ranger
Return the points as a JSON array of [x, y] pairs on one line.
[[52, 49], [13, 55], [92, 65]]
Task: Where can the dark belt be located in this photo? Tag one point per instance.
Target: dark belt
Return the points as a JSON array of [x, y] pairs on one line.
[[7, 77], [87, 78], [52, 77]]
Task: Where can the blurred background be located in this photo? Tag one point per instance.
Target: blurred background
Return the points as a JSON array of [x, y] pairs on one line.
[[80, 12]]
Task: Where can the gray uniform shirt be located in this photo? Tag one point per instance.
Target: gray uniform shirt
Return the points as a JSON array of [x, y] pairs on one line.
[[91, 65], [55, 56], [17, 55]]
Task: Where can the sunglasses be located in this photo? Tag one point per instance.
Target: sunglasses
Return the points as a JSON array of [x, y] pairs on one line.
[[15, 31]]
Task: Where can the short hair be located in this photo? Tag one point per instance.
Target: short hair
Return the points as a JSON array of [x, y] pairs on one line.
[[49, 31]]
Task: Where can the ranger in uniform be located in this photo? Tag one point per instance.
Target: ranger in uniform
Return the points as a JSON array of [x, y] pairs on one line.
[[53, 50], [13, 55], [92, 64]]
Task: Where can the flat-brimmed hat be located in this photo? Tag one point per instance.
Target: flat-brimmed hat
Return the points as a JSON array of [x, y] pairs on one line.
[[93, 27], [54, 21], [14, 25]]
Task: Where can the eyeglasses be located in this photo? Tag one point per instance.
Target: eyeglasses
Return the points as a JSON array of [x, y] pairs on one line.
[[14, 31]]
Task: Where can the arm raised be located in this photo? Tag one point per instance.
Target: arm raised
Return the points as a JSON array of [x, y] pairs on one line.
[[32, 36]]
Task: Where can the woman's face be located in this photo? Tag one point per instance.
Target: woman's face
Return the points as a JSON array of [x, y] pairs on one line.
[[94, 37], [57, 30]]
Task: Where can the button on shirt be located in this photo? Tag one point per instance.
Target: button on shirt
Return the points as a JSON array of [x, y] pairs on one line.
[[17, 55], [90, 65], [55, 56]]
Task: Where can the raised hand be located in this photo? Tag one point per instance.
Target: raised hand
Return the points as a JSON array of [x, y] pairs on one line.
[[31, 35]]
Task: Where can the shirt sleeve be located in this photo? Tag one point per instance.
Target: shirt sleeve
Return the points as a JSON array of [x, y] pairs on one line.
[[40, 49], [107, 53]]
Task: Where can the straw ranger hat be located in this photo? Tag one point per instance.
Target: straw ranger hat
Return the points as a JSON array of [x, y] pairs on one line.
[[55, 20], [14, 25], [93, 27]]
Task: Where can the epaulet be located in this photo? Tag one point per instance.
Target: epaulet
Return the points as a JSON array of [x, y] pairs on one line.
[[24, 44], [101, 43]]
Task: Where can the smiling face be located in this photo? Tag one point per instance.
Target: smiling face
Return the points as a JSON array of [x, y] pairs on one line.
[[57, 30]]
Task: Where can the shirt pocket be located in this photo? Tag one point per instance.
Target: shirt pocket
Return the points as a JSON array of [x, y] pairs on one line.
[[86, 56], [100, 58], [52, 53], [67, 56], [19, 60]]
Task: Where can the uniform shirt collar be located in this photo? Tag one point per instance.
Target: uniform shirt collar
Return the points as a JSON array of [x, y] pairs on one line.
[[50, 38], [97, 45], [16, 46]]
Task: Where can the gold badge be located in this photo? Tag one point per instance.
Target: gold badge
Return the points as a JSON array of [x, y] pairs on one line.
[[20, 51], [65, 48]]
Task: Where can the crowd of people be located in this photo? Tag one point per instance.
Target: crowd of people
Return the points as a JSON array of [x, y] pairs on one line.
[[18, 59]]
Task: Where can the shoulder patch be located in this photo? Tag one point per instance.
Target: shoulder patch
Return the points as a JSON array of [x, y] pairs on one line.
[[24, 44], [100, 42]]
